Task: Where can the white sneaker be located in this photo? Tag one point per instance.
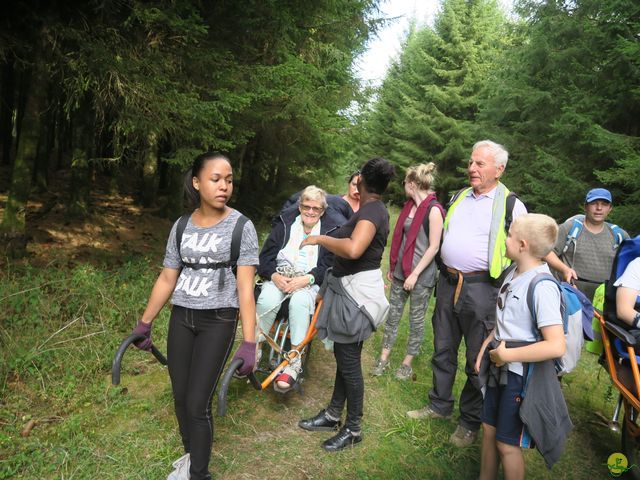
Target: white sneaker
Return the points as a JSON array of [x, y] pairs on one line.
[[289, 376], [181, 467]]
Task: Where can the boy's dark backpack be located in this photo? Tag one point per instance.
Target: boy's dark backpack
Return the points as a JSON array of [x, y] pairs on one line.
[[236, 240]]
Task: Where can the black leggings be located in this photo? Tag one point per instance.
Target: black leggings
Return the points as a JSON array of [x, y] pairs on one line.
[[198, 345], [349, 384]]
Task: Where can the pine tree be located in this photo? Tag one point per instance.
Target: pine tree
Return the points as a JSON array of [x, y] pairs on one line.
[[568, 101], [428, 104]]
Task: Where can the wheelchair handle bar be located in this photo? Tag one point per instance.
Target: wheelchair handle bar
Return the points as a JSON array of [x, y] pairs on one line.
[[117, 360], [226, 380]]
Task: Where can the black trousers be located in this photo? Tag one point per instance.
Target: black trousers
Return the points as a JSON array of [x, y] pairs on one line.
[[471, 318], [198, 345], [349, 384]]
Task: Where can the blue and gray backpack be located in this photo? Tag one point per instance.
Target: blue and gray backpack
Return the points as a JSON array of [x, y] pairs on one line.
[[576, 311], [576, 229]]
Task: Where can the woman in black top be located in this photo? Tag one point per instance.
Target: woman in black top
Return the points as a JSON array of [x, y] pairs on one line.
[[355, 288]]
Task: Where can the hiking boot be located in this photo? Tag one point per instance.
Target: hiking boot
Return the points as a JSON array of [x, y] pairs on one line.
[[463, 437], [319, 423], [181, 467], [426, 412], [343, 439], [380, 368], [404, 372]]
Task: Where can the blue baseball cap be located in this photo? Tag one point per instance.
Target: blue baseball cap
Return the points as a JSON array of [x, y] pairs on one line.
[[598, 194]]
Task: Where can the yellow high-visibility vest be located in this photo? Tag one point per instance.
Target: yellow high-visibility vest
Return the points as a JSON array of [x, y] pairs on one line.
[[498, 260]]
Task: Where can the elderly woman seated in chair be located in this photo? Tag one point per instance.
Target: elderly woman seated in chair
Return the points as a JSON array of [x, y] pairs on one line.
[[291, 271]]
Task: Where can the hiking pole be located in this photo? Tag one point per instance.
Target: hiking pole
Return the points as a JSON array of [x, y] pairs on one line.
[[117, 360], [226, 380]]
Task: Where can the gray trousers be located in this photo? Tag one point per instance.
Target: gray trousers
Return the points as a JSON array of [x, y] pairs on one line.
[[472, 318], [418, 303]]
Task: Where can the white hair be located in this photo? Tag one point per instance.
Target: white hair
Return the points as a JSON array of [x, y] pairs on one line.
[[500, 154]]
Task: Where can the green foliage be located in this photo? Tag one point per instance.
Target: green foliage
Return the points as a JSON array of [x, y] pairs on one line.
[[87, 428], [566, 102], [264, 81], [68, 318], [428, 104]]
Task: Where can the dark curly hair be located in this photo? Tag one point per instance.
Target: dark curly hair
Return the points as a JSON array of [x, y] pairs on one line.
[[376, 174]]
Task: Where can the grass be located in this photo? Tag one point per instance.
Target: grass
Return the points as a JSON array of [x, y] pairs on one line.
[[58, 332]]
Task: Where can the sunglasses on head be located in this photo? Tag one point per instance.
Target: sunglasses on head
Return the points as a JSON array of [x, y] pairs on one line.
[[503, 291]]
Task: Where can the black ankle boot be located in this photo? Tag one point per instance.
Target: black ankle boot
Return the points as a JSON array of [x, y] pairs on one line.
[[319, 423], [344, 438]]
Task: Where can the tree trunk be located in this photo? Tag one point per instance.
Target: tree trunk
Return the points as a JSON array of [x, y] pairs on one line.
[[13, 227], [45, 144], [175, 187], [63, 135], [82, 131], [149, 157], [7, 106]]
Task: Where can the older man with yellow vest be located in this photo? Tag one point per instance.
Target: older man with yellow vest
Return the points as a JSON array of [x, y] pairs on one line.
[[473, 256]]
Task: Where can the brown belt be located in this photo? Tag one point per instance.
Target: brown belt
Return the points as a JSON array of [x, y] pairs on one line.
[[480, 275]]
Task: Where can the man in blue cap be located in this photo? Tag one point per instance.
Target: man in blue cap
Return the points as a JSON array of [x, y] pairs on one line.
[[587, 244]]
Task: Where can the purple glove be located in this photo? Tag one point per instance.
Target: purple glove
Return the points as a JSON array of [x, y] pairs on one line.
[[143, 329], [247, 352]]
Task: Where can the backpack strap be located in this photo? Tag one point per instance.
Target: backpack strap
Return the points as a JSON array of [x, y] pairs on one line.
[[541, 277], [508, 215], [577, 227], [236, 241], [618, 234], [574, 233], [182, 224], [425, 221]]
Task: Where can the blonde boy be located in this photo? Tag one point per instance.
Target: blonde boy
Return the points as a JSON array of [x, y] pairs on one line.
[[531, 237]]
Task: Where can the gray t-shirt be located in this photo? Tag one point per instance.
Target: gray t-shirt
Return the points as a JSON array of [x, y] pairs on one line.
[[592, 257], [428, 276], [514, 321], [199, 289]]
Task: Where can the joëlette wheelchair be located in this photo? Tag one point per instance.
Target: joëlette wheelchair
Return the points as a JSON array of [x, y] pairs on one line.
[[278, 358], [621, 356]]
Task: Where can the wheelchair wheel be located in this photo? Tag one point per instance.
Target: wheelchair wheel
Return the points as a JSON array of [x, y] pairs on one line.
[[631, 441]]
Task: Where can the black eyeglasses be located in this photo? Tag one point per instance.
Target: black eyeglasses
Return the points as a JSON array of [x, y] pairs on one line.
[[503, 291]]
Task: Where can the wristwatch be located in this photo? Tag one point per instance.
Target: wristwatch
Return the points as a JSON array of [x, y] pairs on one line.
[[312, 280], [636, 320]]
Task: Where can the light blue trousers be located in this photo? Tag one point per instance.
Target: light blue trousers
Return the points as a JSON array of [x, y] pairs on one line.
[[301, 306]]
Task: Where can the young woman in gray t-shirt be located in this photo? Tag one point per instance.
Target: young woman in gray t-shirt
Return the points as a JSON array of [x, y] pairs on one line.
[[206, 302]]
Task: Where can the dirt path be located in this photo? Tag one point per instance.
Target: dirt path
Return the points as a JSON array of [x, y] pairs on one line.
[[116, 228]]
